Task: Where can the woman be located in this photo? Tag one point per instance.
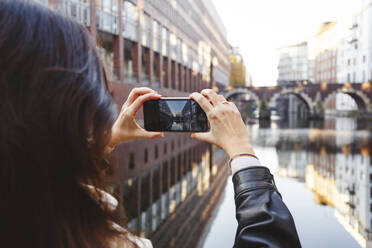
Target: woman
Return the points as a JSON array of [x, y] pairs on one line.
[[57, 125]]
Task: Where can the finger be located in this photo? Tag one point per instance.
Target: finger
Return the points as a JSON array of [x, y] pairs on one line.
[[136, 92], [142, 133], [221, 98], [233, 106], [205, 137], [212, 95], [202, 101], [137, 104]]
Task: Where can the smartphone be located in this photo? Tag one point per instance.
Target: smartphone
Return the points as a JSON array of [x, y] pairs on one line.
[[174, 114]]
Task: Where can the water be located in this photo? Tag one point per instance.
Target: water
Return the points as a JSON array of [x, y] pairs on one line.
[[324, 173]]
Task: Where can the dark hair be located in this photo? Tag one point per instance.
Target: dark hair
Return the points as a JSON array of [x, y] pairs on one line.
[[55, 120]]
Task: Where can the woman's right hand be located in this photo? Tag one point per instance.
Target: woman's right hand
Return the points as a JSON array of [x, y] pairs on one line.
[[227, 129]]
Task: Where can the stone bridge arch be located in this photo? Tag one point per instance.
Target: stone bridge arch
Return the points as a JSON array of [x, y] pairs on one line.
[[310, 105], [362, 101], [240, 91]]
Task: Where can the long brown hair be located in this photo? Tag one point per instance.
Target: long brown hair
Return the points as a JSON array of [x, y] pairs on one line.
[[55, 120]]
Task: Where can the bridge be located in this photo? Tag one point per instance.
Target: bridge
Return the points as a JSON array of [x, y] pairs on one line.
[[314, 96]]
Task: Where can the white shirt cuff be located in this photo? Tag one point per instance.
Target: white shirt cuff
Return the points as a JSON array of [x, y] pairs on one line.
[[243, 162]]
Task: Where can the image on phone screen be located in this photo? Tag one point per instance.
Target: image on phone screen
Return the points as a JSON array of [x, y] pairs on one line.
[[177, 115]]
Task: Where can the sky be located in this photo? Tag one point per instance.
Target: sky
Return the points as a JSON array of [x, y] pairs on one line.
[[176, 106], [259, 27]]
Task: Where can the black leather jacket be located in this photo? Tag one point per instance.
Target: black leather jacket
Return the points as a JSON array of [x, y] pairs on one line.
[[263, 218]]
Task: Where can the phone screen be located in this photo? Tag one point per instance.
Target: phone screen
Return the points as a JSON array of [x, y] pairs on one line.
[[174, 115]]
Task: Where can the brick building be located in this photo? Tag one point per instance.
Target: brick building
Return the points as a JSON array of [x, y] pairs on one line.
[[175, 47]]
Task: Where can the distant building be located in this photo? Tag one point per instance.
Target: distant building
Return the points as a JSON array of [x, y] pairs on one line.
[[249, 79], [356, 51], [293, 69], [237, 69], [323, 54], [325, 48], [293, 64]]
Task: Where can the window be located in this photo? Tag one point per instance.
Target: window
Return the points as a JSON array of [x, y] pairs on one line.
[[165, 73], [164, 35], [173, 75], [145, 202], [156, 70], [180, 169], [145, 68], [165, 173], [129, 52], [130, 20], [146, 156], [130, 200], [348, 62], [364, 59], [155, 183], [107, 15], [156, 31], [173, 171], [146, 29], [77, 9], [105, 47], [165, 148], [131, 163], [156, 151]]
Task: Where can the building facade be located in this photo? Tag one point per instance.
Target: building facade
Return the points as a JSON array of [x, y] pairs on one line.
[[325, 62], [175, 47], [292, 69], [237, 69], [355, 64], [293, 64], [355, 51]]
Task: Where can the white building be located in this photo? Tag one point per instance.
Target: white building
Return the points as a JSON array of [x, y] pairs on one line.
[[293, 66], [355, 51], [355, 57]]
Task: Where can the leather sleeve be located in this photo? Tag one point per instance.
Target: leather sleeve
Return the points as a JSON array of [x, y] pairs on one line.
[[263, 218]]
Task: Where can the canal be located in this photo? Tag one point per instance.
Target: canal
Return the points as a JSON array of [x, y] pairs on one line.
[[324, 172]]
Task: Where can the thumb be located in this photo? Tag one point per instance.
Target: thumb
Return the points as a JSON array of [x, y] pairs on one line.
[[207, 137]]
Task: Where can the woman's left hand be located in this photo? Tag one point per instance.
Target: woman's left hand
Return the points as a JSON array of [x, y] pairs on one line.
[[125, 127]]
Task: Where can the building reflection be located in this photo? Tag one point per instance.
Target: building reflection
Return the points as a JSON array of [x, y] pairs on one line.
[[185, 179], [337, 169]]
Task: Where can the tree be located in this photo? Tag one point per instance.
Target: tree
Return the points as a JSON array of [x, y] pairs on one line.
[[264, 110]]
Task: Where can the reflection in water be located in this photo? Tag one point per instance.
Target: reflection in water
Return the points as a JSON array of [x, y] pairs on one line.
[[324, 172], [187, 181], [335, 164], [167, 185]]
